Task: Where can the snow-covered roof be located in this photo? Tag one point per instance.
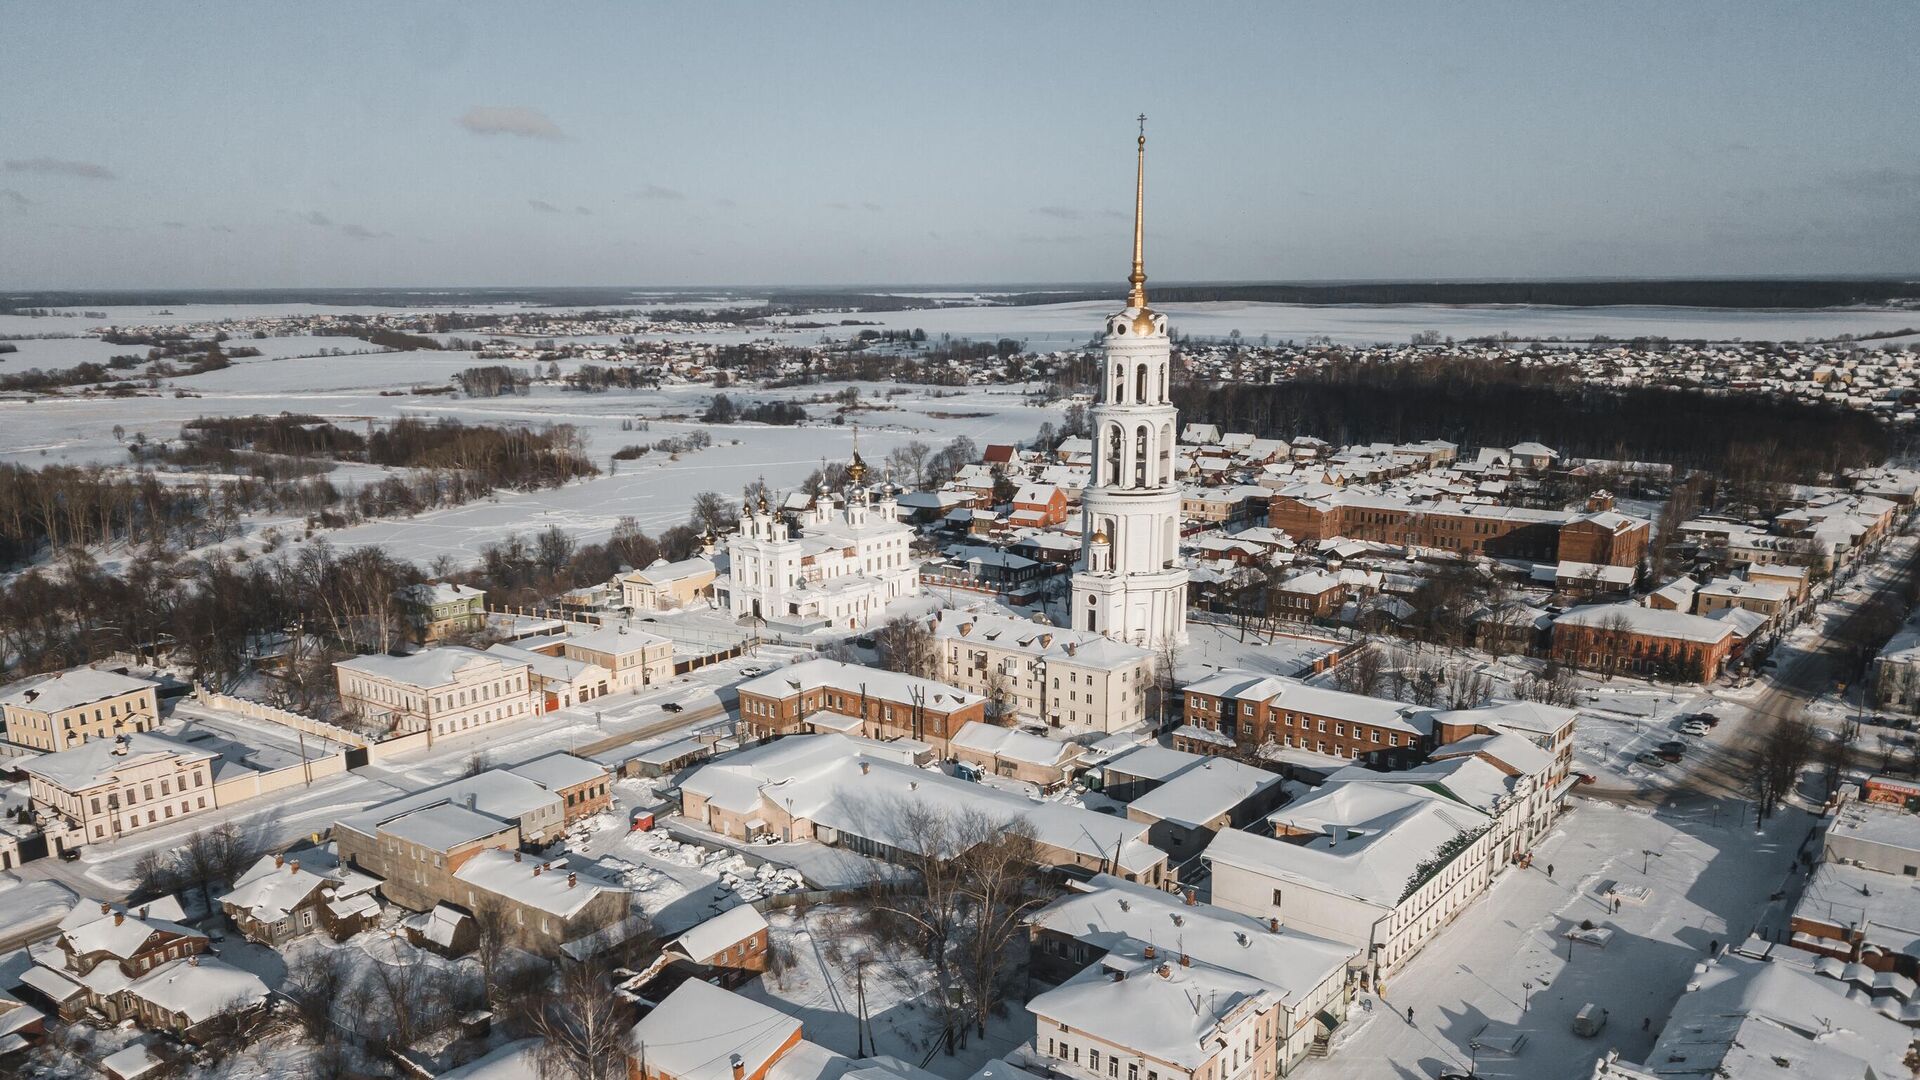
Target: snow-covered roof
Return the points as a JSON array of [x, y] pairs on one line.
[[1292, 695], [1742, 1017], [557, 771], [847, 785], [440, 827], [455, 812], [426, 669], [96, 760], [270, 893], [1366, 840], [1152, 762], [1204, 792], [1653, 622], [615, 640], [696, 1032], [1014, 744], [61, 690], [555, 888], [1161, 1009], [720, 933], [1516, 752], [552, 668], [1107, 911], [854, 679], [1079, 647], [516, 1060], [198, 987], [440, 592], [662, 572]]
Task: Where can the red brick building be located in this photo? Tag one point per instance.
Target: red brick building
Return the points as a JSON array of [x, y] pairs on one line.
[[1627, 639], [1253, 710], [1512, 532], [829, 696]]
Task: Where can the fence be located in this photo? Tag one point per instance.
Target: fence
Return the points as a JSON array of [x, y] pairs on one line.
[[254, 785], [259, 710]]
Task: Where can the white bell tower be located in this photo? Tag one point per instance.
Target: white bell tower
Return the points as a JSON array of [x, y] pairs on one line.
[[1129, 584]]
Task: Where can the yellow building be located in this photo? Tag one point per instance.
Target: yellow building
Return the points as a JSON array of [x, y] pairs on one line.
[[64, 709]]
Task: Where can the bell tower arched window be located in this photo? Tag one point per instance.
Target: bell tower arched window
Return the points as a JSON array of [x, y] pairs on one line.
[[1140, 387]]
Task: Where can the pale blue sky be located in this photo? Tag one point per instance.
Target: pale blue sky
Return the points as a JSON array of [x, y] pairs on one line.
[[250, 144]]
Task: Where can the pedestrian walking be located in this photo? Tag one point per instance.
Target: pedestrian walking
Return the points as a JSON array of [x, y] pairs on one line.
[[1409, 1014], [1549, 871], [1646, 1023]]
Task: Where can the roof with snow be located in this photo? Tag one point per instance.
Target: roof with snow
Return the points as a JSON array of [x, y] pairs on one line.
[[1106, 912], [1014, 744], [555, 888], [1161, 1009], [557, 771], [1364, 840], [695, 1033], [1653, 622], [1205, 791], [1081, 647], [426, 669], [96, 760], [720, 933], [1292, 695], [616, 639], [199, 987], [855, 679], [61, 690]]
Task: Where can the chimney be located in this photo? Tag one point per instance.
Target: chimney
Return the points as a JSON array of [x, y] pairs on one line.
[[739, 1067], [572, 880], [1165, 972], [293, 867], [516, 856], [537, 867], [279, 861], [105, 907], [1192, 898], [473, 800], [1273, 926], [119, 917], [966, 628], [1185, 960], [866, 767], [1119, 976], [1151, 951], [194, 960]]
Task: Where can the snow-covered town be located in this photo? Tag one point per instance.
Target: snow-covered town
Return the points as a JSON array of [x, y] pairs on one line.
[[1459, 621]]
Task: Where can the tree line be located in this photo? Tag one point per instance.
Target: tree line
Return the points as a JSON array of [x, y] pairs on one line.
[[1478, 403]]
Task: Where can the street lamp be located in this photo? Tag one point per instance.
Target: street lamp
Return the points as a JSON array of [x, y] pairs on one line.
[[1646, 857]]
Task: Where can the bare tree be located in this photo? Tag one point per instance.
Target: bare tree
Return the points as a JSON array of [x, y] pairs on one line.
[[1000, 885], [1467, 686], [317, 981], [1360, 673], [906, 645], [493, 935], [583, 1027], [1784, 751]]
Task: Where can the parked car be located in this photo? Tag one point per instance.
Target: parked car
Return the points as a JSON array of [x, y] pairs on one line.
[[1694, 728], [1586, 778], [1652, 761], [1672, 750], [671, 706]]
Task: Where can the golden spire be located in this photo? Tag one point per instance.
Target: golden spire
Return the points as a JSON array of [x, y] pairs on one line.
[[856, 469], [1137, 297]]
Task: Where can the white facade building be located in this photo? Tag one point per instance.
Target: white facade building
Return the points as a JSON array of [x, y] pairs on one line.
[[1129, 584], [1062, 677], [847, 563]]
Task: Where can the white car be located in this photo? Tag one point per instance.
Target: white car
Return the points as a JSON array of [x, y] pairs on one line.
[[1694, 728]]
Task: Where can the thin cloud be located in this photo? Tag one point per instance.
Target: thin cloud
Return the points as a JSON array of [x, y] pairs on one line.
[[315, 217], [655, 191], [517, 120], [47, 166], [873, 206], [15, 197], [174, 224], [543, 206], [361, 232], [838, 206], [1064, 213], [1885, 182], [583, 211]]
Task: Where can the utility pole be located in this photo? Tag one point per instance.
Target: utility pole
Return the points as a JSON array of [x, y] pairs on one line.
[[860, 991]]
